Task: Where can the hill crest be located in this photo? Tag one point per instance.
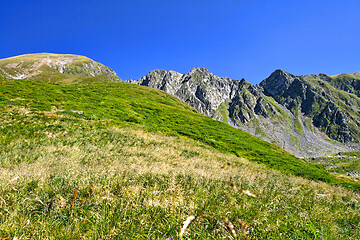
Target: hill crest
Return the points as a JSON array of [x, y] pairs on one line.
[[31, 65]]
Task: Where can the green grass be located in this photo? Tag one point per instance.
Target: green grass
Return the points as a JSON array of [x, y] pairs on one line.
[[298, 127], [141, 162], [132, 184], [32, 65], [340, 164], [223, 112], [156, 111]]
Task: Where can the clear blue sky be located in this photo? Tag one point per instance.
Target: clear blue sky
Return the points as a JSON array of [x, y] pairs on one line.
[[237, 39]]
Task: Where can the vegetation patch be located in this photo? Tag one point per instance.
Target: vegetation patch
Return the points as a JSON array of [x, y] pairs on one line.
[[223, 111], [106, 160], [66, 177], [343, 164], [153, 110]]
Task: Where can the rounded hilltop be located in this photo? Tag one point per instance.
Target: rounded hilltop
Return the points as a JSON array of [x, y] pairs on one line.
[[31, 65]]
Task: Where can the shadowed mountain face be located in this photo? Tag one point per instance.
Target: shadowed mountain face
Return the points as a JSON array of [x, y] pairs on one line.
[[41, 66], [330, 103], [306, 115]]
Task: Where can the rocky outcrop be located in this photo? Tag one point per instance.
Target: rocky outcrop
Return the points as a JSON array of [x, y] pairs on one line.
[[200, 88], [248, 103], [346, 82], [334, 123], [291, 111], [322, 99], [278, 82]]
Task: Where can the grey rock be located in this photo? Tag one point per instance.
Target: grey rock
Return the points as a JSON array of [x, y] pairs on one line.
[[353, 174], [78, 112], [294, 112]]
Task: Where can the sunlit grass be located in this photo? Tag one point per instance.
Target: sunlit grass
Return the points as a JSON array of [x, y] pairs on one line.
[[83, 179], [345, 165], [155, 111], [138, 163]]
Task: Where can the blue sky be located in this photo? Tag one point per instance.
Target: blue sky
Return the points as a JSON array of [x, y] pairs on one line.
[[237, 39]]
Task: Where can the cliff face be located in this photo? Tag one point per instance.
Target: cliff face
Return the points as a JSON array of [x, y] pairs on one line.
[[320, 98], [301, 114], [200, 88]]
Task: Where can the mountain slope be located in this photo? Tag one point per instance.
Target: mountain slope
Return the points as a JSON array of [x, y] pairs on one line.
[[280, 110], [49, 67], [347, 82], [93, 158], [332, 110], [66, 175], [155, 111]]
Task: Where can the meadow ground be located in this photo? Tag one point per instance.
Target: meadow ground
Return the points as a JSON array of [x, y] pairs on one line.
[[95, 181], [64, 175]]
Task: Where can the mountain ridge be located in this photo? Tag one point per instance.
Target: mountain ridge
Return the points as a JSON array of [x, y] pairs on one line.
[[310, 115], [291, 111]]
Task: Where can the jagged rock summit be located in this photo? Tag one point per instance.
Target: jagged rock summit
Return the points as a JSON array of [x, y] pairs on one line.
[[306, 115], [277, 82], [33, 65]]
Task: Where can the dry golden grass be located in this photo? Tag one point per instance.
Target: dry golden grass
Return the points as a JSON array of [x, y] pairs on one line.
[[81, 179], [149, 154]]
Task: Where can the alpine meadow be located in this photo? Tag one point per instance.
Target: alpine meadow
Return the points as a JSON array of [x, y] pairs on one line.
[[85, 155]]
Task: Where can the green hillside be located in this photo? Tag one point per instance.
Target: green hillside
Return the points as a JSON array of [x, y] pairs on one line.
[[342, 164], [50, 67], [155, 111], [347, 82], [100, 159]]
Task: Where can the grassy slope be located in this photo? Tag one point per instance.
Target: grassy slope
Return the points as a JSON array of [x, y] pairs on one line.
[[340, 164], [138, 185], [156, 111], [131, 183]]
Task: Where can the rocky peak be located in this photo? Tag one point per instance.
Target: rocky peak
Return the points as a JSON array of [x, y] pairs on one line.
[[155, 76], [167, 81], [200, 70], [280, 72], [157, 72], [277, 82], [199, 75], [285, 109]]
